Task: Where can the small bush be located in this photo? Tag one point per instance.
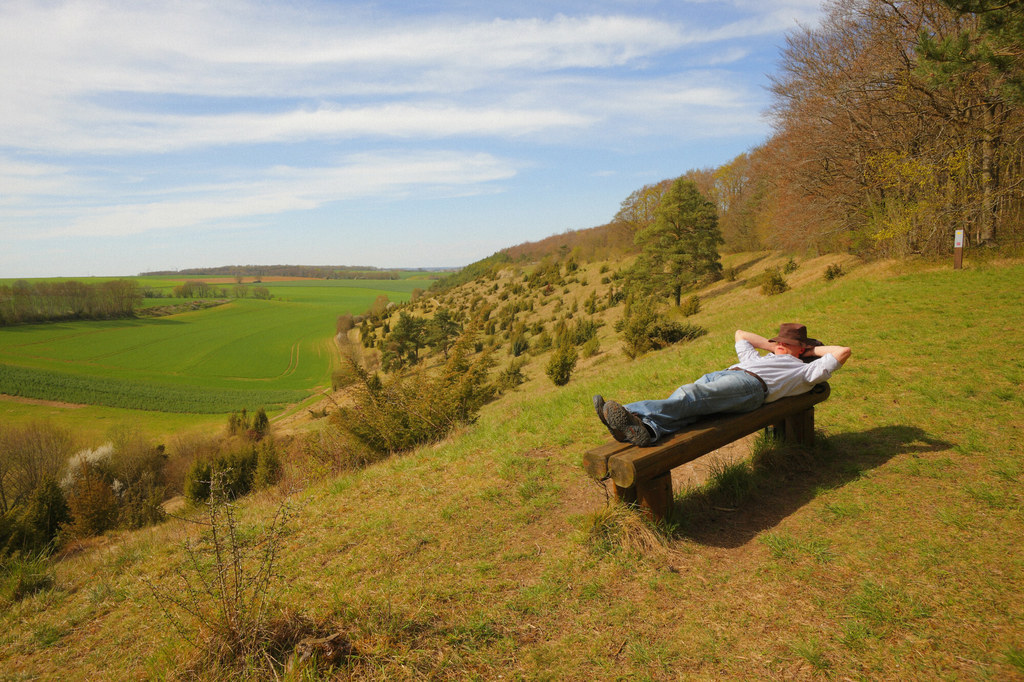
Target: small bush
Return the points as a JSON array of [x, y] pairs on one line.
[[511, 376], [235, 471], [221, 599], [790, 267], [772, 282], [239, 423], [562, 363], [834, 271], [541, 343], [690, 306], [644, 330], [329, 452], [92, 502], [268, 465], [591, 347], [583, 331], [518, 344], [260, 426], [729, 274], [36, 527]]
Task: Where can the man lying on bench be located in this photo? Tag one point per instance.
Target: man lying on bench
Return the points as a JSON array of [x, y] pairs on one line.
[[794, 365]]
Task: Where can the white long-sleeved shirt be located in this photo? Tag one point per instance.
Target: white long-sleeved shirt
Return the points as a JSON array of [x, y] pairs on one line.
[[784, 375]]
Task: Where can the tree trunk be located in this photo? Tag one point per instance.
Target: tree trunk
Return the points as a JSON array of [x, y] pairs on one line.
[[989, 174]]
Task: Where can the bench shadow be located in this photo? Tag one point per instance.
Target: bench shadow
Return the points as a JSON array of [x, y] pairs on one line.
[[710, 517]]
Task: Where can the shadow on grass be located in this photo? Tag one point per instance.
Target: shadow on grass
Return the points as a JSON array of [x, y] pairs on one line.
[[733, 507], [737, 282]]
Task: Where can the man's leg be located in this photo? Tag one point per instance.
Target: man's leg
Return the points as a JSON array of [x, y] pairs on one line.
[[714, 393]]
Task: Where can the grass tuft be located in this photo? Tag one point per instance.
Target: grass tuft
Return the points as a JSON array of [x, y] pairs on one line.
[[24, 575], [621, 528]]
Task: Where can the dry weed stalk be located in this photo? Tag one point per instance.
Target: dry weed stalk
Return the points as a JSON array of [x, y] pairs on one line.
[[224, 586]]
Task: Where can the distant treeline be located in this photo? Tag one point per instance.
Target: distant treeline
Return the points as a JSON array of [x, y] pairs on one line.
[[26, 302], [260, 271]]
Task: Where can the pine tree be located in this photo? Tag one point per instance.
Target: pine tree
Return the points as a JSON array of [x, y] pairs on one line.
[[681, 245]]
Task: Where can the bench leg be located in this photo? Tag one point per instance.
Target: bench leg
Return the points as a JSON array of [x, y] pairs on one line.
[[797, 428], [655, 496], [625, 495], [800, 428]]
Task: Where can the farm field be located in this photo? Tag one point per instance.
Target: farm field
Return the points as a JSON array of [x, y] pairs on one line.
[[246, 353]]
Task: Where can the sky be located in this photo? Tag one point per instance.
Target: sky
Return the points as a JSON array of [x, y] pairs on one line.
[[139, 136]]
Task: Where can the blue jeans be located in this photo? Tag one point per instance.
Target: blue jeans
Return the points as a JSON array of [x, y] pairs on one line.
[[714, 393]]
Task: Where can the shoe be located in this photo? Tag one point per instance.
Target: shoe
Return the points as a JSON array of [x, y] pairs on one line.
[[618, 418], [599, 408]]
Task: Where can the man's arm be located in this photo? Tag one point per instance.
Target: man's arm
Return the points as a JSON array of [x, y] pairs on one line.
[[840, 353], [754, 340]]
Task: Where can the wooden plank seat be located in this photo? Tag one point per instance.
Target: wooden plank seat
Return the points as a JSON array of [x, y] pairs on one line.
[[644, 475]]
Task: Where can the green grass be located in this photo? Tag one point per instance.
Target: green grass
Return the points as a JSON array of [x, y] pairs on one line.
[[892, 552], [247, 353]]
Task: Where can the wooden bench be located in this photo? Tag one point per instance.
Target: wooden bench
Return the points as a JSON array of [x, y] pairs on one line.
[[644, 475]]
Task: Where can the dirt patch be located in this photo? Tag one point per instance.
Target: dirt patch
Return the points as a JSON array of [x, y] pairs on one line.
[[46, 403]]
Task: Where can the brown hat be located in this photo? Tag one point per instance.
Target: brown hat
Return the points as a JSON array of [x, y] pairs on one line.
[[791, 332]]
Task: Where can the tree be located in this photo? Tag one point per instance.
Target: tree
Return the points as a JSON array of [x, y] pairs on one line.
[[681, 245], [636, 212], [441, 331], [406, 338]]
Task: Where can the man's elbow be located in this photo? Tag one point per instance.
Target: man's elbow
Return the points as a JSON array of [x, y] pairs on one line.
[[843, 354]]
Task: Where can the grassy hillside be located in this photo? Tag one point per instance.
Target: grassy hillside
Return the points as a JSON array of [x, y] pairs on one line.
[[892, 552]]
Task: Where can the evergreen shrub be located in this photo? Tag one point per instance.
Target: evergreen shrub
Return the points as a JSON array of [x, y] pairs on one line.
[[562, 363]]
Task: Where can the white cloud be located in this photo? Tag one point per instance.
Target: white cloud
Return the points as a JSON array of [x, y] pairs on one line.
[[279, 190], [102, 131]]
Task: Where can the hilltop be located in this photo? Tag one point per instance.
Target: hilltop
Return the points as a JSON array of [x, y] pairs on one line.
[[889, 553]]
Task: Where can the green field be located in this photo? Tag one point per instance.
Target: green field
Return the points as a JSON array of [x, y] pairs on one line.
[[244, 354]]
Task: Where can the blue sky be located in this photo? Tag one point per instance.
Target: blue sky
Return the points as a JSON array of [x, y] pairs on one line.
[[138, 135]]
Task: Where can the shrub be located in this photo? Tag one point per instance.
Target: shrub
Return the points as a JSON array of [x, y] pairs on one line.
[[691, 306], [730, 274], [562, 363], [772, 282], [583, 331], [92, 502], [268, 464], [834, 271], [591, 347], [238, 423], [329, 451], [644, 329], [417, 406], [29, 456], [260, 426], [541, 343], [221, 600], [790, 266], [511, 376], [519, 344], [235, 471], [35, 528], [665, 332]]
